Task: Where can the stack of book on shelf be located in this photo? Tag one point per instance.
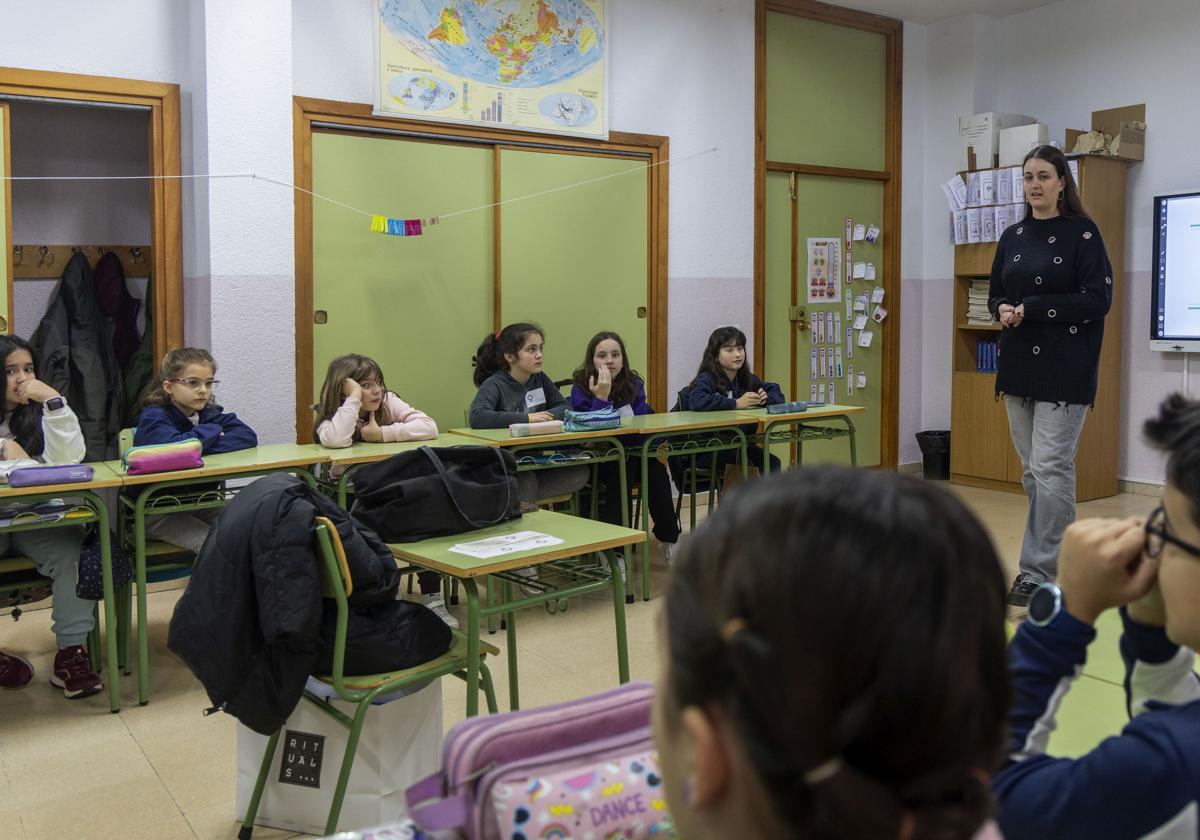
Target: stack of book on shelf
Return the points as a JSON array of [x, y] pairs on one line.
[[977, 303], [986, 355]]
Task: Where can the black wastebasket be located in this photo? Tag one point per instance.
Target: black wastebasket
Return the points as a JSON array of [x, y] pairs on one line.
[[935, 454]]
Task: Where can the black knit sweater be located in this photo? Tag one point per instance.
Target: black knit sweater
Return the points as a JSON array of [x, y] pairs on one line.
[[1059, 269]]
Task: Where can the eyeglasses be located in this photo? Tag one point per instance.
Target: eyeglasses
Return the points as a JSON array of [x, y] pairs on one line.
[[1158, 535], [196, 384]]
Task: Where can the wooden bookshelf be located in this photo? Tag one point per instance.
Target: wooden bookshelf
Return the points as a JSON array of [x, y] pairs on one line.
[[981, 452]]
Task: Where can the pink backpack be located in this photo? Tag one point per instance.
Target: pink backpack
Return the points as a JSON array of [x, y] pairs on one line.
[[586, 767]]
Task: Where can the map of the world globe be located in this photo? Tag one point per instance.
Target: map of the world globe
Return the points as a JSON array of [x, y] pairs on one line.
[[515, 43]]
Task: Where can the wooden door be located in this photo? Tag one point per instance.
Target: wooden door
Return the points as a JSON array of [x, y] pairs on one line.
[[6, 273], [576, 261], [420, 305]]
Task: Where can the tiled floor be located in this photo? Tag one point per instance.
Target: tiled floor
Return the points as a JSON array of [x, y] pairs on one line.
[[163, 771]]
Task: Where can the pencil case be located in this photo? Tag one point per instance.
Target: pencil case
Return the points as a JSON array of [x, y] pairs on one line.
[[592, 421], [163, 457], [56, 474], [545, 427], [787, 407]]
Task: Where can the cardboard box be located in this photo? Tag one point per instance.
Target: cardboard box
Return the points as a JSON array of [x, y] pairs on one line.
[[980, 135], [1017, 142], [1126, 126]]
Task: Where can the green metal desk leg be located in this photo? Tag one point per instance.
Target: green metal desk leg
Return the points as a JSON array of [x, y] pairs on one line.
[[472, 591], [139, 566], [510, 617], [644, 548], [110, 603], [618, 590], [853, 443]]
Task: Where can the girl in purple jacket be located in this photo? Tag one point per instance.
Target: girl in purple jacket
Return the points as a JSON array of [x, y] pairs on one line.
[[605, 380]]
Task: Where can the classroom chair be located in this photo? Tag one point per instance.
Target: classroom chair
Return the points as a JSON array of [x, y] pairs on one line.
[[337, 585]]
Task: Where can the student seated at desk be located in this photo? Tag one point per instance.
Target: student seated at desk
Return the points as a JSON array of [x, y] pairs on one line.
[[513, 389], [605, 380], [357, 407], [178, 405], [1144, 782], [38, 423], [725, 382], [834, 664]]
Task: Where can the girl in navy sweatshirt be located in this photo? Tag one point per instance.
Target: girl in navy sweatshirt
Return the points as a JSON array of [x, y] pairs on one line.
[[605, 380], [178, 406], [725, 382]]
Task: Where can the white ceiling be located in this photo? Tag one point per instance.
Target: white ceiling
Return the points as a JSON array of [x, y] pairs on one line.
[[929, 11]]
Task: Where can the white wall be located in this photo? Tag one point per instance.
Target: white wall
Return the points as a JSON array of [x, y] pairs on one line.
[[1059, 63], [706, 102]]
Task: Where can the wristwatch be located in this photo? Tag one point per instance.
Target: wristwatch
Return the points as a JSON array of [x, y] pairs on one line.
[[1044, 604], [54, 404]]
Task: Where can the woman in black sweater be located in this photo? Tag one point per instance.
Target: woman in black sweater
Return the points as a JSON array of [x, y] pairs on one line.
[[1051, 287]]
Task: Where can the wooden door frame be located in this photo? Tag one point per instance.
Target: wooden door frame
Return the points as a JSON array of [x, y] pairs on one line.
[[357, 116], [889, 176], [166, 203]]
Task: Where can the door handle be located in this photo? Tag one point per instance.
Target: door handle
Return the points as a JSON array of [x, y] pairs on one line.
[[641, 312], [320, 317]]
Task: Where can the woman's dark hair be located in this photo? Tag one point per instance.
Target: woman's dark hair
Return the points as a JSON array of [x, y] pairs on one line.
[[489, 358], [1069, 203], [852, 623], [24, 421], [710, 362], [624, 386], [1176, 431]]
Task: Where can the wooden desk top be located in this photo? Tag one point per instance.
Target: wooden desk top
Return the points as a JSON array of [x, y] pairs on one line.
[[679, 421], [824, 412], [579, 535], [270, 456], [366, 453], [501, 437], [103, 477]]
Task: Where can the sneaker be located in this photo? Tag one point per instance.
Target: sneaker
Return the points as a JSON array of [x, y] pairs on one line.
[[15, 672], [1022, 587], [531, 573], [436, 603], [73, 673]]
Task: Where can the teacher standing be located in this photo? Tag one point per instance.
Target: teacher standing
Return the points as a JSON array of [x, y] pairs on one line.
[[1051, 287]]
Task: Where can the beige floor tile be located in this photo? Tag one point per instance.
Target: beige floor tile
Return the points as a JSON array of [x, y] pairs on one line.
[[38, 775], [118, 808], [216, 822], [198, 765]]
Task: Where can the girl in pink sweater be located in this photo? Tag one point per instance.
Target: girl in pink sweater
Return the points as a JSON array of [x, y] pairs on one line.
[[356, 406]]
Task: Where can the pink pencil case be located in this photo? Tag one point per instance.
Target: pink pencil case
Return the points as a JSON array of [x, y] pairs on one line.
[[163, 457], [56, 474]]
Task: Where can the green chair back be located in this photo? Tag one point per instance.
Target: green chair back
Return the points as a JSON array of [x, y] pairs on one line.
[[125, 441]]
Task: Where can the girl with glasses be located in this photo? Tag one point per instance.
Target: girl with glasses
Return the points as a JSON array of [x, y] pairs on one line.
[[179, 405]]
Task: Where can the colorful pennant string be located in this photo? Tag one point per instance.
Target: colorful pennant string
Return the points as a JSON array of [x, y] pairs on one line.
[[400, 227]]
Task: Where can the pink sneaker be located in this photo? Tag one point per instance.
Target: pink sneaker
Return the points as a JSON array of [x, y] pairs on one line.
[[15, 672], [73, 673]]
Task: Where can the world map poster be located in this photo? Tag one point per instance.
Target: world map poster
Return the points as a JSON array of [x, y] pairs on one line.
[[533, 65]]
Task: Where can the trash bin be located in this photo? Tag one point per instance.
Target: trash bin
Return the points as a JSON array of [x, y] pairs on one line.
[[935, 454]]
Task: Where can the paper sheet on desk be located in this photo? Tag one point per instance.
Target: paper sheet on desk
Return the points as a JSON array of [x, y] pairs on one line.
[[508, 544]]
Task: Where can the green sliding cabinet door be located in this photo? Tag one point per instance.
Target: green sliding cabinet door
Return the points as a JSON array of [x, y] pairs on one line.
[[825, 107], [5, 226], [417, 305], [576, 261]]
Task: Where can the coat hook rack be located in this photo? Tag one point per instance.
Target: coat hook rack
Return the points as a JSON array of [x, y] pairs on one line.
[[18, 255], [136, 260]]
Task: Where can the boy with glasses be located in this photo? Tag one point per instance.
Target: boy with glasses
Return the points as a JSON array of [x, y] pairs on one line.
[[1144, 783]]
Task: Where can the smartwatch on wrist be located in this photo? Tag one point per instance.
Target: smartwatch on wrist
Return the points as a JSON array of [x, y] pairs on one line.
[[54, 404], [1045, 603]]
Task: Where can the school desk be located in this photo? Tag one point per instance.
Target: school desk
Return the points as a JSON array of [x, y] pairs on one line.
[[82, 494], [167, 492], [580, 538], [793, 427]]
